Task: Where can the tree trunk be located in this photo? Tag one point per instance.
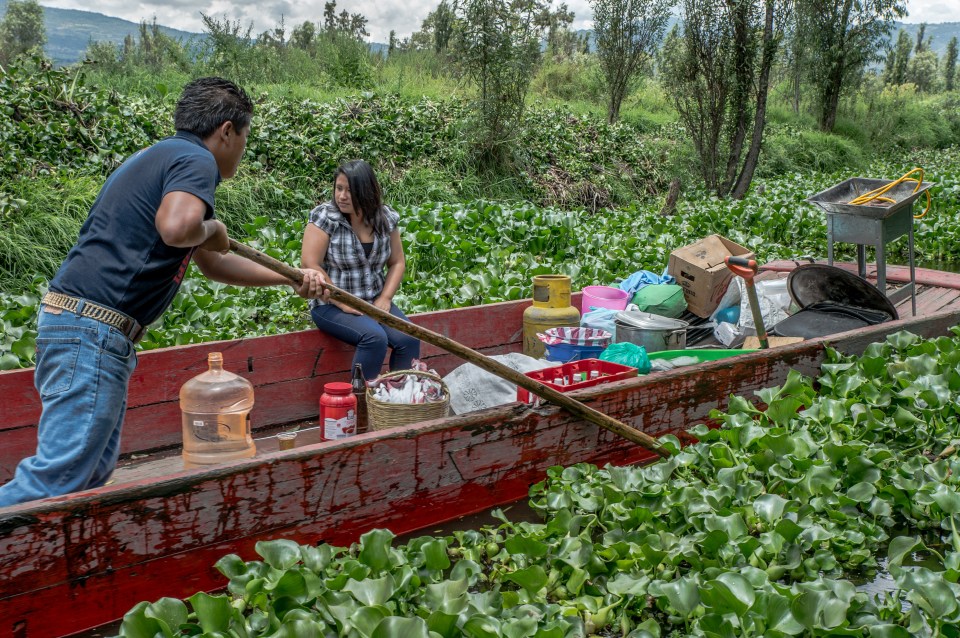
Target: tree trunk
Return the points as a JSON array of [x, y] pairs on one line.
[[613, 107], [760, 118], [670, 206], [743, 74], [831, 94]]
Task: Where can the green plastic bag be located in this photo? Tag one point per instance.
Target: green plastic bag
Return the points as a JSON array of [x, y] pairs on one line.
[[628, 354], [666, 300]]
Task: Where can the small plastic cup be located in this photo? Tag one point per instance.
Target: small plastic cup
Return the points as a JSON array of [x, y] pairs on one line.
[[287, 440]]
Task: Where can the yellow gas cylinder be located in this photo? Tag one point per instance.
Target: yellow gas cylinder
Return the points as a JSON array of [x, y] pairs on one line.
[[551, 309]]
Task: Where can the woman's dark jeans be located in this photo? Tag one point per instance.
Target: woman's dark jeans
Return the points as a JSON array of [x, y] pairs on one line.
[[370, 338]]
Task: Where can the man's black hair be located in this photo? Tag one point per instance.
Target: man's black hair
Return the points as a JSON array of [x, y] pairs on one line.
[[206, 103]]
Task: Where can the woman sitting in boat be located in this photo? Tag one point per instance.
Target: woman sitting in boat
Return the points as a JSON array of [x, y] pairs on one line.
[[354, 241]]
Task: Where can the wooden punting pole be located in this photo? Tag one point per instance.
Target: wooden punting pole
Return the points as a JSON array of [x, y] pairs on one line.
[[490, 365]]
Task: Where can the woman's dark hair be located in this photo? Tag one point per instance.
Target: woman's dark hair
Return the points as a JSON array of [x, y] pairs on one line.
[[206, 103], [365, 193]]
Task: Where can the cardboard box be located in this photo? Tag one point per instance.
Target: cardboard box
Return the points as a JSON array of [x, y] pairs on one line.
[[700, 270]]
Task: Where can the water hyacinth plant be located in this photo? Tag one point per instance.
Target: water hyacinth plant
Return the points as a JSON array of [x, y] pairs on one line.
[[761, 528]]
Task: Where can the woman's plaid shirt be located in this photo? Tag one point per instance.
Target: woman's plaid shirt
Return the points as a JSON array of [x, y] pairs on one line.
[[345, 262]]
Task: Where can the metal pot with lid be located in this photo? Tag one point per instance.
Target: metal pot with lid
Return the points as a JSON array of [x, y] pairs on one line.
[[653, 332]]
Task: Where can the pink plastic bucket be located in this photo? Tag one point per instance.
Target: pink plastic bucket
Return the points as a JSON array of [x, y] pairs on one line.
[[603, 297]]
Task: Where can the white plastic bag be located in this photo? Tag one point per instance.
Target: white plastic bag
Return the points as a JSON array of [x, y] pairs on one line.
[[472, 388], [731, 297], [774, 303], [726, 333]]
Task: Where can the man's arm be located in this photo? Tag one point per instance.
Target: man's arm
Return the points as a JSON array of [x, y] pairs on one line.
[[180, 222]]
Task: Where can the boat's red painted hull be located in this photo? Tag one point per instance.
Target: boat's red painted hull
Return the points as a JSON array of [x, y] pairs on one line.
[[75, 562]]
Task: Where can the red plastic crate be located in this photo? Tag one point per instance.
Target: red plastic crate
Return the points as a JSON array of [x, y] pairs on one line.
[[607, 371]]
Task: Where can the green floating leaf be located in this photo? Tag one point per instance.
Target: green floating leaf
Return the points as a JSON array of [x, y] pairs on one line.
[[435, 554], [683, 595], [397, 627], [862, 492], [213, 612], [531, 579], [281, 554], [929, 590], [728, 592], [769, 507], [371, 591], [947, 499], [375, 549]]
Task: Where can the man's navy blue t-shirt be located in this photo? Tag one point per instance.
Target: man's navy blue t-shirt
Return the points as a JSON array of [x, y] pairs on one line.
[[119, 259]]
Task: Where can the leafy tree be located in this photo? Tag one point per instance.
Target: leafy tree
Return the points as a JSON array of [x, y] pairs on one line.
[[304, 36], [436, 30], [330, 16], [898, 59], [275, 38], [560, 40], [21, 30], [353, 25], [443, 22], [152, 49], [499, 47], [924, 71], [718, 73], [230, 48], [796, 52], [923, 44], [392, 47], [846, 36], [627, 32], [950, 64]]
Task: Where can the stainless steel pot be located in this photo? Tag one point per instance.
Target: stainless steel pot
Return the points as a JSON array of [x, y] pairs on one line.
[[653, 332]]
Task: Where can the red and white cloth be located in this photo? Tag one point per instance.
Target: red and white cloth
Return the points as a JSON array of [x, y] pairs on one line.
[[576, 336]]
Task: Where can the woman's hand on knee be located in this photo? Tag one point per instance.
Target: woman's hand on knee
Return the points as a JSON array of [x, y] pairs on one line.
[[382, 303]]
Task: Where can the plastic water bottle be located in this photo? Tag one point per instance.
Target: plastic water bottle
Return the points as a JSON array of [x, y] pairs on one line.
[[216, 416]]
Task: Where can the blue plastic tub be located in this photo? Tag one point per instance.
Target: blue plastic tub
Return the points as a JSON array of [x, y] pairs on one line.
[[567, 352]]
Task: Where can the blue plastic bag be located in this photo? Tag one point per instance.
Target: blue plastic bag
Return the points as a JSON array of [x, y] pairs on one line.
[[601, 318], [642, 278]]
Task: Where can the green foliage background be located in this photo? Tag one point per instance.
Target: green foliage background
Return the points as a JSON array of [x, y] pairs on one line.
[[580, 197]]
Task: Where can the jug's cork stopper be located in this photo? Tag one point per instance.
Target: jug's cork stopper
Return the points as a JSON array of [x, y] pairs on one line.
[[215, 359]]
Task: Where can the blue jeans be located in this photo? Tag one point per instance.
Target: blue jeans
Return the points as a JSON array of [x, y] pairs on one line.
[[83, 367], [370, 338]]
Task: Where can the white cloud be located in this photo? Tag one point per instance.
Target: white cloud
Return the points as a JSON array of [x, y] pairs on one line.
[[933, 11], [403, 16]]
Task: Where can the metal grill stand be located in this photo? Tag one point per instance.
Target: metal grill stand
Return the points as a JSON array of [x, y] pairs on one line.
[[872, 226]]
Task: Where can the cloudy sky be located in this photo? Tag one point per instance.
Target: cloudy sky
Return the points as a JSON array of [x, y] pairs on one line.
[[404, 16]]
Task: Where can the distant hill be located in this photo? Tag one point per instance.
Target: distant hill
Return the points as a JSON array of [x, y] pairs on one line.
[[70, 31], [941, 33]]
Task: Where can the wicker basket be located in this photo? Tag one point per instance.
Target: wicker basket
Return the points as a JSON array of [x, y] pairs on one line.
[[382, 415]]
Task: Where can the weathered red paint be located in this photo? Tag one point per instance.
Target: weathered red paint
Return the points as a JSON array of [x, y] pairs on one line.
[[287, 371], [93, 555]]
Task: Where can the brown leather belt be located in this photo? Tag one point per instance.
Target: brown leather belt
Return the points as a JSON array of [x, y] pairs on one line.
[[124, 323]]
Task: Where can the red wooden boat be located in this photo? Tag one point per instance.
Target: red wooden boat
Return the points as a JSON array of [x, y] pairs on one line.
[[72, 563]]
